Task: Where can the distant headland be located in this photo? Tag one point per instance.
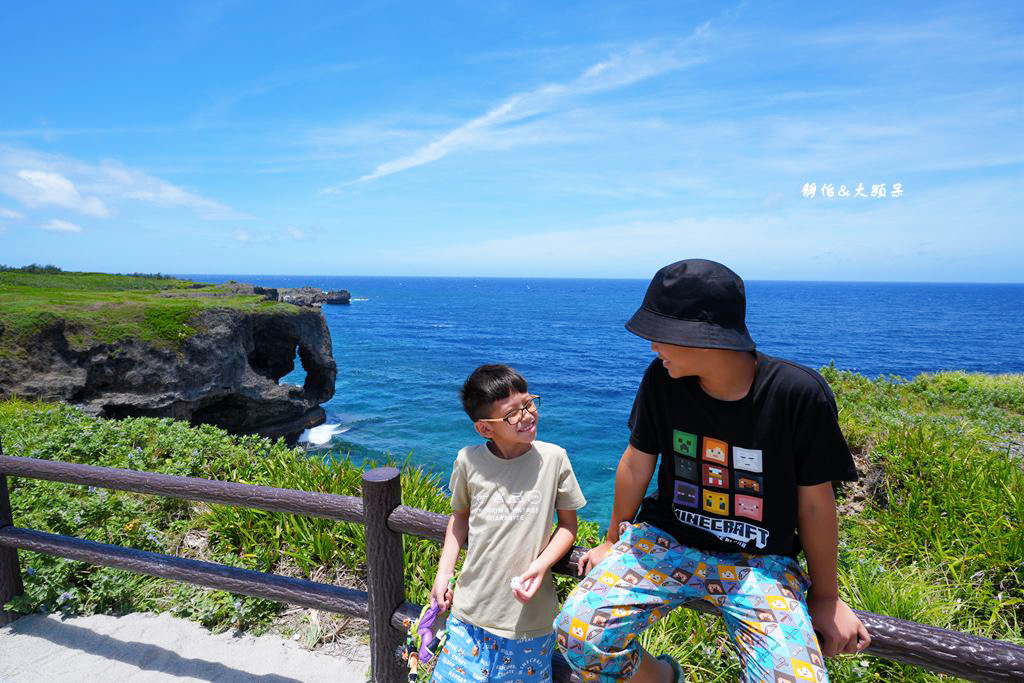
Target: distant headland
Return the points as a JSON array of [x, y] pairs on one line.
[[157, 346]]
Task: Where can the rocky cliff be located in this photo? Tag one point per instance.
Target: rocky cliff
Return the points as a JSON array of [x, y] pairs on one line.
[[225, 373], [311, 296]]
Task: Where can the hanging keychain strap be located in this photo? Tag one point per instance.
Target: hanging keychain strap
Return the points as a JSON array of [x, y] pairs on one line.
[[422, 642]]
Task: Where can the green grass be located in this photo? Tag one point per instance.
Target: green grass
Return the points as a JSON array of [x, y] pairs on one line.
[[253, 539], [92, 308], [938, 539], [100, 282]]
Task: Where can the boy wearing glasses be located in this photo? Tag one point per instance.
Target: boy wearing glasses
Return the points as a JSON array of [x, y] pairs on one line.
[[749, 446], [505, 493]]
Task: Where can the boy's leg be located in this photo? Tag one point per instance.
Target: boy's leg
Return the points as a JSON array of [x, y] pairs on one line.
[[766, 615], [643, 577]]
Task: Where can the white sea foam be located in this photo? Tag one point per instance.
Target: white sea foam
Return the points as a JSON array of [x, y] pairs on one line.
[[322, 434]]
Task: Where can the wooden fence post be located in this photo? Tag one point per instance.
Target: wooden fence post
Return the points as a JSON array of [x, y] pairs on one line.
[[10, 573], [385, 577]]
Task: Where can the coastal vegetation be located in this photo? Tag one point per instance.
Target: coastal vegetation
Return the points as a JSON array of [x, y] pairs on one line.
[[933, 532], [100, 307]]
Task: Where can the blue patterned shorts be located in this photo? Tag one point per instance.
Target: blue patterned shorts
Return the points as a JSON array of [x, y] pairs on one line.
[[474, 654], [647, 574]]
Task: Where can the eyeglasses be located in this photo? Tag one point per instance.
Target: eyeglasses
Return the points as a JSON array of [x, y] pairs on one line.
[[516, 415]]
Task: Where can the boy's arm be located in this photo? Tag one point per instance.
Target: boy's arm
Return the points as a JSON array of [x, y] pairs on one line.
[[817, 523], [631, 479], [454, 538], [558, 545]]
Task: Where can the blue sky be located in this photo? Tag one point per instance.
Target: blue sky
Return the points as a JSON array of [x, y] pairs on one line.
[[599, 139]]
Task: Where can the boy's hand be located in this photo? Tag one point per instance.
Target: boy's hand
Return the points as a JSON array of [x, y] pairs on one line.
[[839, 627], [593, 557], [441, 593], [529, 582]]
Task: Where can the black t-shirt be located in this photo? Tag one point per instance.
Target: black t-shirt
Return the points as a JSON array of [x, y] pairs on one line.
[[730, 469]]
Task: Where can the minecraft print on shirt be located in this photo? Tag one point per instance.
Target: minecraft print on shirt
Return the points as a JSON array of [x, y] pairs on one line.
[[686, 468], [749, 507], [715, 502], [687, 494], [749, 483], [747, 459], [719, 488], [715, 476], [684, 443], [716, 451]]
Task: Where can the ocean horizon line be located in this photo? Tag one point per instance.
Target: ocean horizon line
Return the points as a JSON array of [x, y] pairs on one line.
[[587, 279]]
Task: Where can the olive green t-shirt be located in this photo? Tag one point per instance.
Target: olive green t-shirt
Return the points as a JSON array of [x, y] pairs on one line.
[[512, 506]]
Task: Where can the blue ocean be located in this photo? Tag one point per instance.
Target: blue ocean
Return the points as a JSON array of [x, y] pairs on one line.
[[405, 345]]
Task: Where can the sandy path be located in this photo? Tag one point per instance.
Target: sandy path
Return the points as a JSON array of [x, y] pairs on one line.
[[161, 648]]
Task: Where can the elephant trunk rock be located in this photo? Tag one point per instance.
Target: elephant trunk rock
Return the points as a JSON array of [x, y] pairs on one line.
[[226, 374]]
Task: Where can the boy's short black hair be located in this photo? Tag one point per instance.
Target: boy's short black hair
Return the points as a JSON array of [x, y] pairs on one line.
[[487, 384]]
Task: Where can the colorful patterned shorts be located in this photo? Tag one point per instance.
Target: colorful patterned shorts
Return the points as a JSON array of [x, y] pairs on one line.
[[647, 574], [473, 654]]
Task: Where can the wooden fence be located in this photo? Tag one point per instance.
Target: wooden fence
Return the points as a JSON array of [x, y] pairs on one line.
[[383, 605]]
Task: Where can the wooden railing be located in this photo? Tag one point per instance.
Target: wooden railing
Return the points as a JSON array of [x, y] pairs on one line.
[[383, 605]]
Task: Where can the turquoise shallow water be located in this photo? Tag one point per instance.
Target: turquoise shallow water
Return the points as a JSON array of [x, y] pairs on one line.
[[404, 351]]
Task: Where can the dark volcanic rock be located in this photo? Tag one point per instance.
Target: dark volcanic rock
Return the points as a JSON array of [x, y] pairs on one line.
[[311, 296], [337, 296], [226, 374]]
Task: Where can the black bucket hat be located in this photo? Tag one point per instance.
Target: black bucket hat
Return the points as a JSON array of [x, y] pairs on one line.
[[695, 303]]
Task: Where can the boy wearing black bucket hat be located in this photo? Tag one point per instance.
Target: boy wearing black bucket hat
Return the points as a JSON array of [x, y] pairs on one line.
[[749, 446]]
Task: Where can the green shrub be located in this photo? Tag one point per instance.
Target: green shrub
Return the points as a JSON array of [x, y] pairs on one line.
[[252, 539]]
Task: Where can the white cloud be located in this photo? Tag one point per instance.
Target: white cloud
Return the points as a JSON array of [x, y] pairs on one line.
[[242, 236], [493, 128], [117, 179], [297, 233], [11, 214], [58, 225], [37, 179], [35, 188]]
